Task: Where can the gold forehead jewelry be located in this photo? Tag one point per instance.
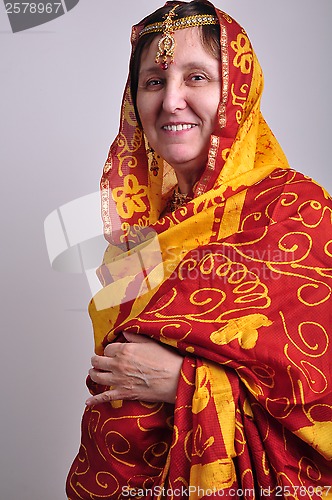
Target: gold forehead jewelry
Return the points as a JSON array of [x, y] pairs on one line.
[[167, 27]]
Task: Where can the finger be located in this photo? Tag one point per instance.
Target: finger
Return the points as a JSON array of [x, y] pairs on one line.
[[133, 337], [95, 360], [104, 397], [100, 377], [113, 350], [102, 363]]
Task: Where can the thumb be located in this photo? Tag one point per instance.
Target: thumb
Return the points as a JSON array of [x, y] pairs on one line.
[[133, 337]]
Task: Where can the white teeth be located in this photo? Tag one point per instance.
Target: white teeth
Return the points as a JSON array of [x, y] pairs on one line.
[[175, 128]]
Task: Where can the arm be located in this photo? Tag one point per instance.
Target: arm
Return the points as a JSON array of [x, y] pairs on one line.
[[140, 369]]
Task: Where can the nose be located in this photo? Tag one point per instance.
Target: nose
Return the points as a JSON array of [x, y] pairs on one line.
[[174, 96]]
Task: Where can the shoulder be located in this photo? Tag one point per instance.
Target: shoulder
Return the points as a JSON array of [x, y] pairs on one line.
[[285, 180], [305, 186], [288, 195]]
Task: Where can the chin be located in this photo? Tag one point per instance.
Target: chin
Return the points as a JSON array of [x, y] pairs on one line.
[[181, 163], [181, 156]]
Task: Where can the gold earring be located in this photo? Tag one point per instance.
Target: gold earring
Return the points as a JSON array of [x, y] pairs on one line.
[[154, 168]]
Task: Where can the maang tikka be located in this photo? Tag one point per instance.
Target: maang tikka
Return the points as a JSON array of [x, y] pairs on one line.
[[166, 45]]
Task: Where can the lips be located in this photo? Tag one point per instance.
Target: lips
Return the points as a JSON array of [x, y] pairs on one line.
[[179, 126]]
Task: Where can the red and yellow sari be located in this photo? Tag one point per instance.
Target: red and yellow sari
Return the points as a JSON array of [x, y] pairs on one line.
[[239, 282]]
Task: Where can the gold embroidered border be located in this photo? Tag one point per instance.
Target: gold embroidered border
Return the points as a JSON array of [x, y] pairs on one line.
[[105, 205], [215, 140], [225, 76], [211, 165]]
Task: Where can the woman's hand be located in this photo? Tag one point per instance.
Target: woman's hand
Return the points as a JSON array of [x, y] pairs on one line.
[[140, 369]]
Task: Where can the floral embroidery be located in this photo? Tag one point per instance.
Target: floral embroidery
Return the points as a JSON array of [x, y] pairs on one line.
[[244, 55], [129, 198]]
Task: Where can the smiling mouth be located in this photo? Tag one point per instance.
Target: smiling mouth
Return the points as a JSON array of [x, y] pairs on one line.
[[180, 126]]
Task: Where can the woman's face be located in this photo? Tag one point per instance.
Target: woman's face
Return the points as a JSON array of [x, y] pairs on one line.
[[178, 106]]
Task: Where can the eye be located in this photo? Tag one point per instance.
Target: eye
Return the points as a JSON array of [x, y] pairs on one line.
[[197, 79], [153, 83]]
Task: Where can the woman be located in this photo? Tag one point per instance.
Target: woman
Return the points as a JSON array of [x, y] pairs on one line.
[[211, 375]]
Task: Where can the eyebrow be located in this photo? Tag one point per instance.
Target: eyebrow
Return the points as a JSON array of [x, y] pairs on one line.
[[190, 65]]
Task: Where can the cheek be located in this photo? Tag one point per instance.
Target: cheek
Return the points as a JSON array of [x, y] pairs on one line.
[[213, 111], [140, 107], [147, 117], [214, 102], [145, 107], [214, 98], [149, 104], [144, 117]]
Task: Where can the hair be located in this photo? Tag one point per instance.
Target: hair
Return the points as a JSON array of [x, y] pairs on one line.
[[210, 37]]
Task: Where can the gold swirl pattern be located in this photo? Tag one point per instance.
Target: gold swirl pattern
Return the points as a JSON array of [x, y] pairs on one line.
[[117, 445], [239, 100], [125, 155], [227, 17], [154, 452]]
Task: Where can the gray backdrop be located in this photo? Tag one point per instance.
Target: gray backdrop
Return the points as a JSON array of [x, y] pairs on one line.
[[61, 86]]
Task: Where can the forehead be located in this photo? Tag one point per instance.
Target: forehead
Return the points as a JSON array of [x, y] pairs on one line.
[[188, 46]]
